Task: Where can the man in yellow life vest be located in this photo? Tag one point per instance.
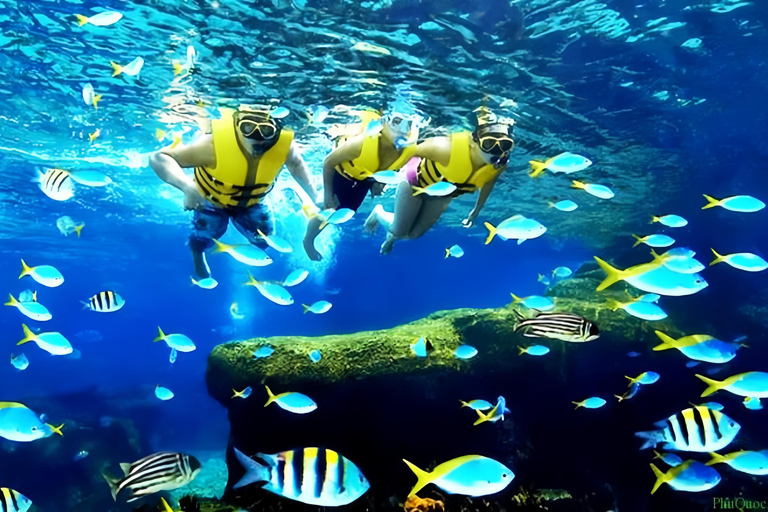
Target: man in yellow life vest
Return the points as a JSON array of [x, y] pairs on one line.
[[386, 143], [235, 167], [464, 160]]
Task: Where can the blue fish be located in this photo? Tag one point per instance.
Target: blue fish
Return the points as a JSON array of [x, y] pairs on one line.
[[644, 378], [562, 272], [566, 205], [20, 362], [163, 393], [470, 475], [242, 394], [477, 405], [752, 403], [630, 392], [654, 240], [671, 221], [291, 401], [752, 463], [670, 459], [315, 356], [422, 347], [745, 204], [455, 251], [18, 423], [690, 476], [594, 402], [264, 351], [534, 350], [536, 302], [465, 352], [495, 414]]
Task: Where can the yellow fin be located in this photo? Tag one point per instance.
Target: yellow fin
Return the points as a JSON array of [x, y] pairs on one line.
[[612, 304], [11, 301], [271, 396], [166, 506], [56, 430], [614, 275], [177, 68], [116, 69], [716, 459], [537, 168], [25, 269], [220, 247], [160, 334], [424, 478], [79, 228], [491, 232], [718, 258], [577, 184], [418, 190], [96, 99], [640, 240], [711, 202], [306, 308], [667, 342], [81, 20], [714, 385], [660, 478], [28, 335]]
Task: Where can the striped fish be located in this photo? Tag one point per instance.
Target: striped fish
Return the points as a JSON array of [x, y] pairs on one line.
[[164, 471], [104, 302], [558, 326], [56, 184], [697, 429], [13, 501], [315, 476]]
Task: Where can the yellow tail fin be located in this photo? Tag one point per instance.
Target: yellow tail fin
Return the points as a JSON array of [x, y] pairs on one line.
[[516, 298], [418, 190], [614, 275], [640, 240], [711, 202], [25, 269], [177, 69], [655, 218], [424, 478], [81, 20], [613, 305], [716, 459], [667, 342], [463, 403], [116, 69], [56, 430], [271, 396], [96, 99], [537, 168], [447, 253], [522, 350], [166, 506], [660, 478], [306, 308], [79, 228], [160, 335], [237, 393], [714, 385], [578, 404], [718, 258], [28, 335], [620, 397], [11, 301], [220, 247], [577, 184], [491, 232], [482, 418]]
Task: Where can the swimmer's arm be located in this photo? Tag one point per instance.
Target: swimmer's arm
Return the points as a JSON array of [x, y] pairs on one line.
[[485, 191], [437, 149], [298, 169], [344, 153], [168, 163]]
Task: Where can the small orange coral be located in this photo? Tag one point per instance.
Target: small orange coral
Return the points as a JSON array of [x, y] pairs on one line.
[[416, 504]]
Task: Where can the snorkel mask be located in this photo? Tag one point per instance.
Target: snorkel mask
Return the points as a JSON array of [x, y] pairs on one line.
[[258, 126], [404, 121], [494, 137]]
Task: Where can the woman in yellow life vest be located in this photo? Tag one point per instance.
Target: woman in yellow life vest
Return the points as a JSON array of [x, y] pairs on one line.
[[468, 161], [236, 165], [385, 143]]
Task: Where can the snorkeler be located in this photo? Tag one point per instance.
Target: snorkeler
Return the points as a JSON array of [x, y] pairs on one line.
[[468, 161], [236, 165], [348, 169]]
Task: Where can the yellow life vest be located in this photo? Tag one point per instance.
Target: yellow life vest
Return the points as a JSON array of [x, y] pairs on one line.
[[233, 183], [365, 165], [459, 168]]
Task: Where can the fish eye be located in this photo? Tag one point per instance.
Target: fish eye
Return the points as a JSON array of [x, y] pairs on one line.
[[34, 429]]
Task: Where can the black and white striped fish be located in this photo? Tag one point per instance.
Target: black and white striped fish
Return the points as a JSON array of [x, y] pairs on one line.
[[13, 501], [696, 429], [558, 326], [104, 302], [164, 471], [315, 476], [56, 184]]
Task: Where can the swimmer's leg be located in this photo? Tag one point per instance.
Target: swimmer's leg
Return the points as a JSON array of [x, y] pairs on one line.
[[207, 224]]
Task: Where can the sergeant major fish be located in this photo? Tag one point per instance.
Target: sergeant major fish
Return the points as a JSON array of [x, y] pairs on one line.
[[696, 429]]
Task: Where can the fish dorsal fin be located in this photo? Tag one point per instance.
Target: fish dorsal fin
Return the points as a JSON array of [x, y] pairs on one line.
[[11, 405], [126, 467]]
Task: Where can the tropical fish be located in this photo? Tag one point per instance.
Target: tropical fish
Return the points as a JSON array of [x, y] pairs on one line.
[[615, 275], [544, 280], [66, 226], [455, 251], [242, 394], [534, 302], [173, 356], [534, 350], [318, 307], [189, 63], [670, 459], [56, 184], [207, 283], [653, 277], [558, 326], [177, 341], [164, 471], [163, 393], [742, 261], [682, 261], [337, 217], [52, 342], [565, 163], [700, 347], [639, 309], [315, 476], [246, 253], [745, 204], [566, 205], [13, 501], [696, 429], [80, 455], [710, 405], [91, 178], [439, 189], [315, 356], [654, 240], [103, 19], [690, 476], [752, 403], [20, 362], [30, 309], [131, 69], [389, 177], [104, 302], [28, 296], [89, 96], [594, 402], [753, 463], [46, 275], [319, 115], [263, 352], [296, 277], [234, 312], [495, 414], [477, 405], [271, 291], [280, 112], [19, 423], [671, 221], [470, 475], [599, 191], [422, 347], [95, 135], [465, 352], [562, 272], [277, 243], [516, 228], [644, 378], [754, 384], [629, 393], [291, 401]]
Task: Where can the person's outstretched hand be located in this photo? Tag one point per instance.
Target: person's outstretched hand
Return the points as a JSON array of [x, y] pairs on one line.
[[193, 200], [470, 220]]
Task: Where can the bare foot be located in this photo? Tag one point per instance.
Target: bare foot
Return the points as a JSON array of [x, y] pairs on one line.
[[372, 222], [388, 244], [309, 248]]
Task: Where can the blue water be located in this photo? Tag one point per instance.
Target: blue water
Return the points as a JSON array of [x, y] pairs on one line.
[[653, 141]]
